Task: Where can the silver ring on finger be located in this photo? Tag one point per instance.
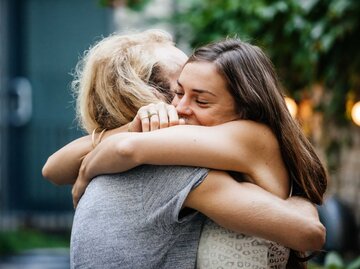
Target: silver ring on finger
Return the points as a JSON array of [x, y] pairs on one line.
[[152, 114], [144, 117]]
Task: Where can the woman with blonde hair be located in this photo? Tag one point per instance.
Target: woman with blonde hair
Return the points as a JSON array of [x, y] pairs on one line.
[[118, 76], [114, 78], [218, 196]]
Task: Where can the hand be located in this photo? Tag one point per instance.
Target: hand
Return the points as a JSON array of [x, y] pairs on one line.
[[155, 116], [97, 162], [81, 184], [78, 190]]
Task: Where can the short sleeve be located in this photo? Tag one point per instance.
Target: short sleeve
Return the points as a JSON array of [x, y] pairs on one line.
[[165, 191]]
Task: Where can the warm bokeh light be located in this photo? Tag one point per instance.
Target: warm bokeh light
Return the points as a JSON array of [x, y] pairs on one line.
[[292, 106], [355, 113]]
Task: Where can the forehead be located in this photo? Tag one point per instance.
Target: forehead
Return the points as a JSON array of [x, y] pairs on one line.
[[202, 76]]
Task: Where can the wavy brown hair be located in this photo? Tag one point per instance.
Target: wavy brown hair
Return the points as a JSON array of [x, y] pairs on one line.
[[253, 83]]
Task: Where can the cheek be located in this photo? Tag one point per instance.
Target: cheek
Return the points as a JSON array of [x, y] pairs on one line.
[[212, 120], [205, 117], [216, 116]]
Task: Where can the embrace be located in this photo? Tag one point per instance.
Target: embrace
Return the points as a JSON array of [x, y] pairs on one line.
[[189, 162]]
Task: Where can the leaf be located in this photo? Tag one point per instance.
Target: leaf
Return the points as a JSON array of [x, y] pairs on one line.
[[308, 5], [333, 260], [339, 7], [354, 264]]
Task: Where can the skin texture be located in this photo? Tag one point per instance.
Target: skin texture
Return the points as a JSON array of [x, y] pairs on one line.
[[239, 148], [269, 222], [229, 203], [201, 98]]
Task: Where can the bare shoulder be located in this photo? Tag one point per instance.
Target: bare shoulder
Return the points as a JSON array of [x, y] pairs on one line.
[[258, 154], [247, 125], [258, 134]]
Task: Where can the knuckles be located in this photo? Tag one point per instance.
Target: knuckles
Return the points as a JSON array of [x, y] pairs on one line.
[[161, 109], [174, 122], [164, 124]]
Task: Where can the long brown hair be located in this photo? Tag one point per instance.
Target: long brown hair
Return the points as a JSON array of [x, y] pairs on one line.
[[253, 83]]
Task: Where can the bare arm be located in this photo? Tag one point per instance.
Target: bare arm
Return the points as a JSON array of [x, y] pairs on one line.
[[240, 146], [63, 166], [246, 208]]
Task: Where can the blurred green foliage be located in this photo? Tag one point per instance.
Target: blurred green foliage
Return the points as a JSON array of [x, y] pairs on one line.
[[12, 242], [309, 41], [334, 261]]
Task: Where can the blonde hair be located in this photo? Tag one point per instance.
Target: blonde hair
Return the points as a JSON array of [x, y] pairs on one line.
[[114, 79]]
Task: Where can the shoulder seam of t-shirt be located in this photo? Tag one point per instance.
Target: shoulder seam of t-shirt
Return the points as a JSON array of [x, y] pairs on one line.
[[185, 191]]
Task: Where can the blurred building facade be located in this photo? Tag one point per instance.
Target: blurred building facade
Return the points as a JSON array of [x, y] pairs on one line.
[[44, 40], [41, 42]]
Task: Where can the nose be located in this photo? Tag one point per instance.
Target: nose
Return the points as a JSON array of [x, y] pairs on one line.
[[183, 107]]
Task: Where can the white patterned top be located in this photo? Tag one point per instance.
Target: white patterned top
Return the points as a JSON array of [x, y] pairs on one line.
[[220, 248]]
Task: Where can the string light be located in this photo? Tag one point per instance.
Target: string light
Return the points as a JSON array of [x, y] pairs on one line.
[[292, 106], [355, 113]]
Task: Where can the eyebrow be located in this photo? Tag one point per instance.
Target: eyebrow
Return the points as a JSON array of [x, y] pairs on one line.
[[197, 90]]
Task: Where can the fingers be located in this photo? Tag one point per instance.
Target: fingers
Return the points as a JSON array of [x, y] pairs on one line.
[[77, 191], [144, 118], [172, 115], [182, 121], [135, 124], [74, 194], [163, 115], [155, 116]]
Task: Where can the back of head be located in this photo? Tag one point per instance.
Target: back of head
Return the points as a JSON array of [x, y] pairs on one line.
[[116, 77], [253, 83]]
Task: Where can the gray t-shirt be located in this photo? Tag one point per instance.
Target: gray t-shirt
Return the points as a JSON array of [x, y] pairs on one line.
[[131, 220]]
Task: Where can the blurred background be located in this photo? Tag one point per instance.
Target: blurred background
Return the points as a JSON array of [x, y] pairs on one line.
[[314, 45]]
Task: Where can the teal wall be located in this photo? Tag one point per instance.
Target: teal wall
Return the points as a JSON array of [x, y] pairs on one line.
[[49, 37]]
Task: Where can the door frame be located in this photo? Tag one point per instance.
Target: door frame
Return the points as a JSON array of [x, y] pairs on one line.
[[4, 77]]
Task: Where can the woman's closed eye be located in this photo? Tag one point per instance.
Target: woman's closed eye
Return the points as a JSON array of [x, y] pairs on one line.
[[202, 102], [179, 93]]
